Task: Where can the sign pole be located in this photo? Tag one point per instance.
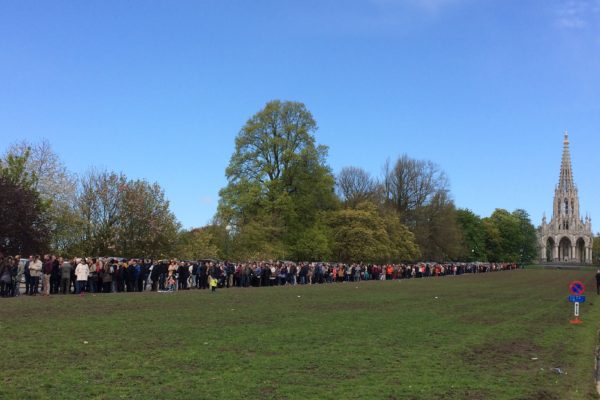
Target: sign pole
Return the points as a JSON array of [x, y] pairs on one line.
[[576, 321]]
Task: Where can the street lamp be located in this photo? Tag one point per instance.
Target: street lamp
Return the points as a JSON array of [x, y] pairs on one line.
[[228, 229]]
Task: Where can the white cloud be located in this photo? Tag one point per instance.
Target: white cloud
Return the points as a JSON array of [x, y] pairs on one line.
[[578, 14]]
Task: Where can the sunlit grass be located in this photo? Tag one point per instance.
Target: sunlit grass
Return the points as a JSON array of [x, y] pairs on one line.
[[487, 336]]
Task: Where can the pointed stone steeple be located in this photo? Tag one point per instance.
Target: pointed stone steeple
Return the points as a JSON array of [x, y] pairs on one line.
[[567, 237], [566, 198], [566, 172]]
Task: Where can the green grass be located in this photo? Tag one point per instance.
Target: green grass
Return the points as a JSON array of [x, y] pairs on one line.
[[374, 340]]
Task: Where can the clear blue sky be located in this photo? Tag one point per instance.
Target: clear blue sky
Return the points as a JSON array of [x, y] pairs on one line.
[[159, 89]]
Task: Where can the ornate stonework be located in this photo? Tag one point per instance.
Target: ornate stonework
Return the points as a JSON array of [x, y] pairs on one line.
[[567, 238]]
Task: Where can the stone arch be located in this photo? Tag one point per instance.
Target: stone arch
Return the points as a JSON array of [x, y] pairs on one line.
[[580, 250], [550, 249], [565, 249]]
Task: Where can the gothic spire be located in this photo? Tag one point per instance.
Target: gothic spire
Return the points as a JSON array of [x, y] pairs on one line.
[[566, 173]]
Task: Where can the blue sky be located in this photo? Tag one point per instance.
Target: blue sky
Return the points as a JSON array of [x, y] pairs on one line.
[[159, 89]]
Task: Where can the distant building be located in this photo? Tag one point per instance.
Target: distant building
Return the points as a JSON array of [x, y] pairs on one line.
[[567, 238]]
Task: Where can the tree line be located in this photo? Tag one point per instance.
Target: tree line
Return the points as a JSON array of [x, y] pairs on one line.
[[282, 201]]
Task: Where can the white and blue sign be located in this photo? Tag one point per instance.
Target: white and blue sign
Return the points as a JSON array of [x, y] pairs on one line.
[[577, 299]]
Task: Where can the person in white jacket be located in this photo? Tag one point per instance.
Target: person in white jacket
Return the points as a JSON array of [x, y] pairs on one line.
[[82, 271]]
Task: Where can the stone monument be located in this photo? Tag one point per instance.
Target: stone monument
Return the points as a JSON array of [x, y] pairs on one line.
[[566, 238]]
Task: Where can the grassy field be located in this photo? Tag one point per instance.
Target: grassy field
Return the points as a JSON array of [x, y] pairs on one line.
[[488, 336]]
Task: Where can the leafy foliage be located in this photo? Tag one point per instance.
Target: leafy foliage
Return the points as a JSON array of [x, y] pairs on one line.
[[14, 169], [473, 245], [23, 214], [596, 249], [418, 191], [361, 234], [45, 173], [123, 217], [510, 236], [278, 182], [23, 222], [147, 225], [195, 244], [280, 202]]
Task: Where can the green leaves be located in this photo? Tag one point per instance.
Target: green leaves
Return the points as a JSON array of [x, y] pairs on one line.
[[361, 234], [14, 169], [473, 236], [195, 244], [510, 237], [278, 182]]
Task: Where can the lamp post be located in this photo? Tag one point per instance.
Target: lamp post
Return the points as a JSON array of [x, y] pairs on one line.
[[228, 229]]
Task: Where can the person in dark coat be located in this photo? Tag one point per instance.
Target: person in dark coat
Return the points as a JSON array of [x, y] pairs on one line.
[[184, 271], [130, 276], [145, 274], [195, 274], [55, 275], [120, 277], [158, 275], [202, 275], [598, 281]]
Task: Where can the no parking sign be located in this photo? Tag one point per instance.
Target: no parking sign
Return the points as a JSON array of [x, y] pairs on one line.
[[577, 289]]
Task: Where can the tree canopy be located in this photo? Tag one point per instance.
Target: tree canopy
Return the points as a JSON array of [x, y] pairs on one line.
[[281, 201], [23, 214], [278, 181]]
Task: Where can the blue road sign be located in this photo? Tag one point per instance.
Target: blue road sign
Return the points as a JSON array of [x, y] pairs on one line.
[[577, 299]]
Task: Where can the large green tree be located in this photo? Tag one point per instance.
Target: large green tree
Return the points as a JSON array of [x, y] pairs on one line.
[[363, 234], [473, 245], [528, 243], [278, 181], [510, 236]]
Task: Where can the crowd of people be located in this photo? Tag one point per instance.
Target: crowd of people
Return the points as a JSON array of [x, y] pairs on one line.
[[50, 275]]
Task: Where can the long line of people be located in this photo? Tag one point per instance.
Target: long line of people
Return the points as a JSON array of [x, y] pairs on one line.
[[49, 274]]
